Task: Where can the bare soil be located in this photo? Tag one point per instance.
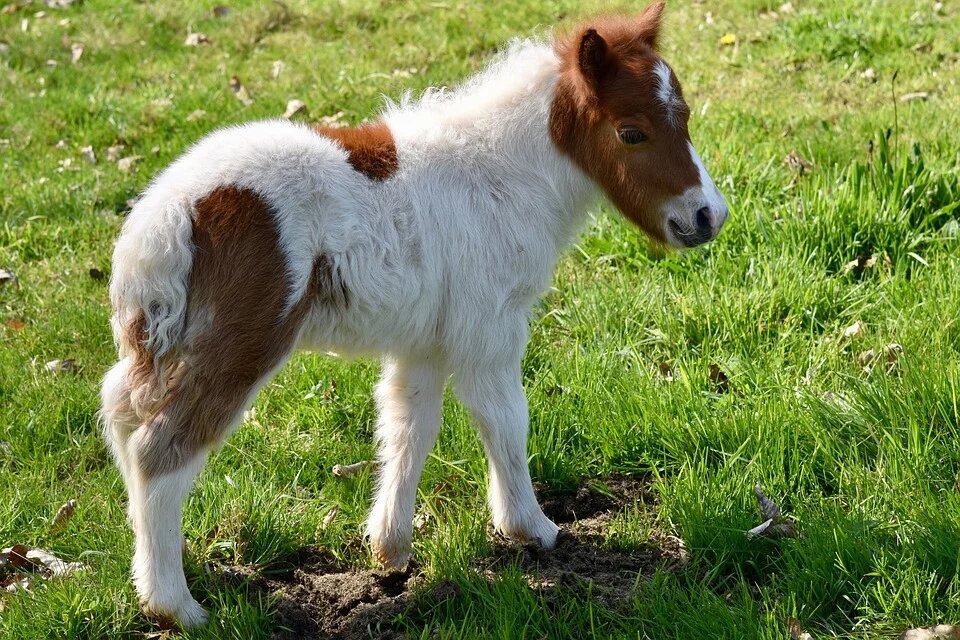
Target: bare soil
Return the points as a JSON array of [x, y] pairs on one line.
[[317, 598]]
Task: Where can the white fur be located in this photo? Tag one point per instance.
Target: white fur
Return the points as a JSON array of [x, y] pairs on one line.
[[156, 506], [442, 261], [664, 86], [711, 195]]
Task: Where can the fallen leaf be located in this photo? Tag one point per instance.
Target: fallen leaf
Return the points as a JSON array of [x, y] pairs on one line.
[[892, 355], [421, 521], [63, 366], [88, 155], [276, 69], [7, 277], [797, 163], [126, 164], [196, 39], [860, 264], [769, 509], [76, 50], [113, 152], [939, 632], [51, 565], [728, 39], [330, 515], [347, 470], [11, 8], [17, 556], [666, 370], [796, 633], [866, 358], [854, 330], [333, 122], [63, 516], [240, 91], [196, 115], [220, 11], [294, 107], [719, 379], [15, 324], [774, 524], [916, 95]]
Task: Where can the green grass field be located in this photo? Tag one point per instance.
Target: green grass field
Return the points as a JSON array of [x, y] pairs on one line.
[[623, 371]]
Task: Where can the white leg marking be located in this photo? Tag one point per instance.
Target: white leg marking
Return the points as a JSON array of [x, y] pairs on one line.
[[499, 408], [158, 554], [409, 397]]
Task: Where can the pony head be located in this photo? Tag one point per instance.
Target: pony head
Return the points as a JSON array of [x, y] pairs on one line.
[[619, 113]]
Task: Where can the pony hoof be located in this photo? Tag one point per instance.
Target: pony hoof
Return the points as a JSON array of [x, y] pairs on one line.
[[186, 615], [542, 533], [393, 557]]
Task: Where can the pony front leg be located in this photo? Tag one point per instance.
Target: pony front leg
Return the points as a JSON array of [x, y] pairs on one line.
[[409, 398], [498, 406]]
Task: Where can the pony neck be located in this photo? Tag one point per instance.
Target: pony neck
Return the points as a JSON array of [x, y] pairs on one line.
[[496, 127]]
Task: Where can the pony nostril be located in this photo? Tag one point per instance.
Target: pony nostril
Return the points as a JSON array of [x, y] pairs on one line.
[[703, 220]]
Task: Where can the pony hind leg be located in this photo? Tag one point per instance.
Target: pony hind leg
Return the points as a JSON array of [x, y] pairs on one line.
[[238, 332], [167, 453]]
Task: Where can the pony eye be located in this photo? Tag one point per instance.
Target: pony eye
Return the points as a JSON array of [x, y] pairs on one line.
[[631, 135]]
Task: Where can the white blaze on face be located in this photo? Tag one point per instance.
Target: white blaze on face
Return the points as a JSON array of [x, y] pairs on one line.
[[696, 215], [710, 194], [665, 92]]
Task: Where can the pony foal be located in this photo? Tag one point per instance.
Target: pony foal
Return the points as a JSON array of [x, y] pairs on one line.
[[424, 237]]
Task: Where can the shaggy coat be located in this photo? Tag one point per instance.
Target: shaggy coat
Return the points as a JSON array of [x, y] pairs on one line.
[[425, 238]]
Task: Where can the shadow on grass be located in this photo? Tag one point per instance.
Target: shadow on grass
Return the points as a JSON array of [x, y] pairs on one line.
[[315, 596]]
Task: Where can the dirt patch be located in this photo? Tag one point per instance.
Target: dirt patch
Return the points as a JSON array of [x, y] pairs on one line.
[[585, 555], [595, 497], [318, 598]]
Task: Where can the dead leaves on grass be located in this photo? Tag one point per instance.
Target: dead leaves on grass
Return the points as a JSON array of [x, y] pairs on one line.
[[240, 91], [797, 164], [20, 565], [888, 357], [348, 470], [59, 367], [63, 516], [195, 39], [295, 107], [775, 524]]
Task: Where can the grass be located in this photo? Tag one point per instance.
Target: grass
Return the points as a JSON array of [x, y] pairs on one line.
[[866, 461]]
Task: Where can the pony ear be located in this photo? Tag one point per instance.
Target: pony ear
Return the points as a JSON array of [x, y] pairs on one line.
[[593, 56], [649, 23]]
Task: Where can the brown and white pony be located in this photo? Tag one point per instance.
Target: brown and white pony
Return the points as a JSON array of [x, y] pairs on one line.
[[424, 237]]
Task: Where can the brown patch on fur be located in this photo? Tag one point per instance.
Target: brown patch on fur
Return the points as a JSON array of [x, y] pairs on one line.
[[134, 338], [371, 147], [608, 82], [331, 289], [236, 332]]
